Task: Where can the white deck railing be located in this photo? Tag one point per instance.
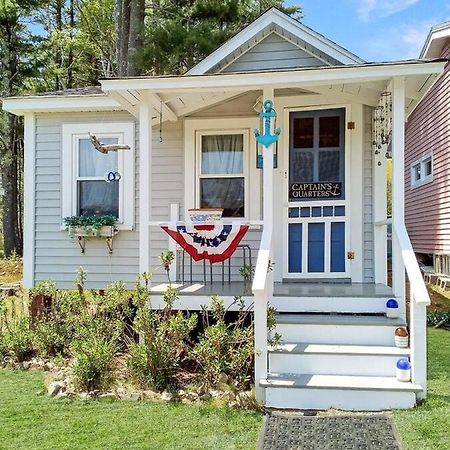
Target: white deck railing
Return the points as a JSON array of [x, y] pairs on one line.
[[263, 292], [419, 299]]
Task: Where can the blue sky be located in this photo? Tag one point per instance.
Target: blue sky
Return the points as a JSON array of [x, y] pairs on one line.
[[376, 30]]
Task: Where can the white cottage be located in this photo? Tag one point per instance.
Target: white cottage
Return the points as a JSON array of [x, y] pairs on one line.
[[318, 218]]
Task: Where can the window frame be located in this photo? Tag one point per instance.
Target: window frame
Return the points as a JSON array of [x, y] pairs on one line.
[[421, 163], [253, 176], [245, 156], [72, 134]]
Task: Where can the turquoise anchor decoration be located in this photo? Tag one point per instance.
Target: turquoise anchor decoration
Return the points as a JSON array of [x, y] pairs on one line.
[[267, 114]]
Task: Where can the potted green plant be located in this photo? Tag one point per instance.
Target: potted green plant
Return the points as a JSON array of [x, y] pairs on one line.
[[91, 226], [85, 227]]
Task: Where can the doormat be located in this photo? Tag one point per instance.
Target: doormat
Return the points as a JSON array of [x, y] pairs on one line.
[[285, 431]]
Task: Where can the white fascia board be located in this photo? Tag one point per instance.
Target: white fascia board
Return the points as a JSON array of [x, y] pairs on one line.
[[273, 16], [256, 80], [36, 104], [435, 41]]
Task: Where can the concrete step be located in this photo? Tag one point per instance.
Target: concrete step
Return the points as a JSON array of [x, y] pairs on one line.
[[323, 359], [337, 329], [356, 393]]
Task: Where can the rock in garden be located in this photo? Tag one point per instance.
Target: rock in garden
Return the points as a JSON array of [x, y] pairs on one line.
[[223, 378], [108, 396], [166, 396], [84, 396], [205, 397], [149, 395], [26, 365], [54, 388]]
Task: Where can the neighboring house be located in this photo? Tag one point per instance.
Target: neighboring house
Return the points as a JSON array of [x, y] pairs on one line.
[[427, 166], [318, 220]]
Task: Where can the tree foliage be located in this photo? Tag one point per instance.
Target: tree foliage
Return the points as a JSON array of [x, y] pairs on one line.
[[48, 45]]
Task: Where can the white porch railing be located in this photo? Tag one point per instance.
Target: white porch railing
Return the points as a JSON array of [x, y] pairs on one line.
[[263, 292], [419, 299]]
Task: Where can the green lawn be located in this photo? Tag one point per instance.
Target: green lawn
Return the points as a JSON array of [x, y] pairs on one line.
[[30, 420], [428, 426]]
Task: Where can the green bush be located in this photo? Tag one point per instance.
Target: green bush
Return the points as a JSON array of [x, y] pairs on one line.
[[51, 336], [93, 350], [225, 347], [438, 317], [164, 342], [19, 338]]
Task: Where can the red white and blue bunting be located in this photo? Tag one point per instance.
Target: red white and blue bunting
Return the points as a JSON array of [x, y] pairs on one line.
[[215, 242]]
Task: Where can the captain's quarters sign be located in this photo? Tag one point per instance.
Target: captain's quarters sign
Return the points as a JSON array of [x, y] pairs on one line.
[[315, 190]]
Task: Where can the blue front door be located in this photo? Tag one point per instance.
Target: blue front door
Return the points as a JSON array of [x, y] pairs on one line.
[[316, 195]]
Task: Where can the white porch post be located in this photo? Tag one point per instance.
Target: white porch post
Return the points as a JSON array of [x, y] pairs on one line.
[[398, 186], [145, 170], [262, 298]]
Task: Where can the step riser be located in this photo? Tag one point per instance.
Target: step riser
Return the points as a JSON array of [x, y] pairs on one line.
[[345, 399], [330, 304], [365, 365], [337, 334]]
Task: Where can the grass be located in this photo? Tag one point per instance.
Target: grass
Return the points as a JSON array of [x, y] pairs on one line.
[[427, 427], [10, 270], [31, 420]]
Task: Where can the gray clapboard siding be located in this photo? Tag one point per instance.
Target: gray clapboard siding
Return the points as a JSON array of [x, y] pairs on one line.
[[368, 265], [57, 256], [273, 52]]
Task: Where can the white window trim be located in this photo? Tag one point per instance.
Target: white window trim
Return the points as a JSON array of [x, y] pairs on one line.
[[423, 179], [245, 159], [124, 131], [194, 129]]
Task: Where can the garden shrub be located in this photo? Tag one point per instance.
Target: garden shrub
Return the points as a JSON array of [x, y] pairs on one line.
[[93, 349], [225, 347], [164, 341], [438, 317], [18, 338]]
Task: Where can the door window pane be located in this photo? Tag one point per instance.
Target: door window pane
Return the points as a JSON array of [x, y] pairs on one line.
[[222, 154], [226, 193], [329, 131], [98, 197], [302, 166], [92, 163], [303, 132], [329, 165]]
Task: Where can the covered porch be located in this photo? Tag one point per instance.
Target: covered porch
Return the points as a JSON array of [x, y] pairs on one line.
[[359, 91]]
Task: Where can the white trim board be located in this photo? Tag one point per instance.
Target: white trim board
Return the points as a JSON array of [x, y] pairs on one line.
[[270, 18], [29, 200]]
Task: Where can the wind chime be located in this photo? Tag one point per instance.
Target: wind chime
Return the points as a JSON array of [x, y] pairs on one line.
[[382, 126]]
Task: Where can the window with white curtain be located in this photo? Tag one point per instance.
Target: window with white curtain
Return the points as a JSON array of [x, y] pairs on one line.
[[85, 191], [222, 172], [94, 195]]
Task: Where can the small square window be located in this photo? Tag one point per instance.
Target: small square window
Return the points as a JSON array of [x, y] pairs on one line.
[[422, 171]]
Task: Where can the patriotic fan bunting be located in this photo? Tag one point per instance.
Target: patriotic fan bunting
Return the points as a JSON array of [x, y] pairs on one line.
[[214, 242]]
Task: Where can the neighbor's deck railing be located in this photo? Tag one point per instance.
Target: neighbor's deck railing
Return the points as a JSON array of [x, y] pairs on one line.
[[418, 299], [263, 292]]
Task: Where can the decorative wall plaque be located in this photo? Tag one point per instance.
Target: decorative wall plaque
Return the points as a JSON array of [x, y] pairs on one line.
[[325, 190]]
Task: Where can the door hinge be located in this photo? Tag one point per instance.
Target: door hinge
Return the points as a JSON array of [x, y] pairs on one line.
[[350, 125]]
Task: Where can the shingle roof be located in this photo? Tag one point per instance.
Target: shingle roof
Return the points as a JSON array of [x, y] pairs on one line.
[[88, 90]]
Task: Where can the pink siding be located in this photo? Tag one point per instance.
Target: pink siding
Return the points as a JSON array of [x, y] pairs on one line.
[[428, 207]]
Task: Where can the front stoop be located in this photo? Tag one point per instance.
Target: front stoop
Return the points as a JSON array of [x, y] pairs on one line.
[[337, 362]]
